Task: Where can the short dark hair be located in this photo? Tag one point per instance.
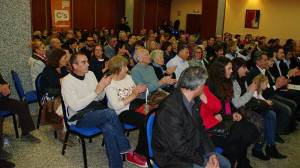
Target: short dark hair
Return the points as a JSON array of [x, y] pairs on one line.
[[218, 47], [258, 55], [181, 47], [54, 55], [73, 59], [110, 37], [165, 45], [130, 35], [72, 41], [192, 77]]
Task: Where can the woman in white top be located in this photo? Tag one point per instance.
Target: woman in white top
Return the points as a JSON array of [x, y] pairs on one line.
[[38, 59], [122, 95]]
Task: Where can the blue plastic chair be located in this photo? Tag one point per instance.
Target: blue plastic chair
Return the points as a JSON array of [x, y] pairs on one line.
[[82, 133], [38, 88], [128, 127], [149, 128], [29, 97], [4, 114]]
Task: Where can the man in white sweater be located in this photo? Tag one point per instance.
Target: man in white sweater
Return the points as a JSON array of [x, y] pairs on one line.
[[81, 93]]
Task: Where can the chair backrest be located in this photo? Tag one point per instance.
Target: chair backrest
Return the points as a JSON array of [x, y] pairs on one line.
[[64, 109], [38, 87], [149, 128], [18, 85]]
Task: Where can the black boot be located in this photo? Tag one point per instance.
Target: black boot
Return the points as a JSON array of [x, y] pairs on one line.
[[272, 152], [259, 154]]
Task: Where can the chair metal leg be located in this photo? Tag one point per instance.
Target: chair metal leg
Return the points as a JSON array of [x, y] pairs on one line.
[[65, 143], [102, 144], [15, 126], [127, 133], [55, 134], [84, 152], [39, 118], [90, 140]]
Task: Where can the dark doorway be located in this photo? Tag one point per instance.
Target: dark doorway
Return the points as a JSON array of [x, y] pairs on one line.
[[193, 23]]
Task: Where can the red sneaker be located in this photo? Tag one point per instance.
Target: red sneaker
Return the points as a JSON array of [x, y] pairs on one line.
[[136, 159]]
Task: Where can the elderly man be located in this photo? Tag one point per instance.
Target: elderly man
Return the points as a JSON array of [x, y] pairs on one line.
[[179, 138], [143, 73], [82, 93]]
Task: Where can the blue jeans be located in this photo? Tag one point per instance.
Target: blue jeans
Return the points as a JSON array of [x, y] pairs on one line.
[[270, 126], [270, 129], [223, 162], [114, 137]]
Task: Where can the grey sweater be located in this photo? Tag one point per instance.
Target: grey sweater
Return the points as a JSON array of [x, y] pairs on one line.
[[239, 100]]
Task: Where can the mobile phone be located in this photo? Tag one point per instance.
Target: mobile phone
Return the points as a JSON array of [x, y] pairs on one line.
[[107, 73]]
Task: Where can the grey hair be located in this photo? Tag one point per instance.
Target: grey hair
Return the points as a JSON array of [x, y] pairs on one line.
[[192, 77], [138, 53], [155, 53]]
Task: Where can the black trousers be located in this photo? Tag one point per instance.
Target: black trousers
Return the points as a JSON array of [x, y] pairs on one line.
[[285, 113], [294, 96], [242, 135], [21, 109], [138, 120]]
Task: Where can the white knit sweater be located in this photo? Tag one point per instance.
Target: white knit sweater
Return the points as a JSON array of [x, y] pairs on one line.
[[77, 94]]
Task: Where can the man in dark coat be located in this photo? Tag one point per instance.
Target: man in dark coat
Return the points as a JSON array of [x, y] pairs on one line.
[[179, 138]]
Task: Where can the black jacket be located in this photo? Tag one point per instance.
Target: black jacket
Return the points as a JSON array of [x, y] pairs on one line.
[[275, 70], [179, 138]]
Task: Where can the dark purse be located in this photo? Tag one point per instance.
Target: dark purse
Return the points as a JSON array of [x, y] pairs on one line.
[[258, 105], [222, 129]]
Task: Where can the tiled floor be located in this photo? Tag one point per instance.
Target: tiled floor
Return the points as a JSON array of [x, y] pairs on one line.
[[47, 154]]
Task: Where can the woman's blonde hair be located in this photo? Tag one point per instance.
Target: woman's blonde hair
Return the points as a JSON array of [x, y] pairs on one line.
[[36, 44], [259, 80], [116, 63]]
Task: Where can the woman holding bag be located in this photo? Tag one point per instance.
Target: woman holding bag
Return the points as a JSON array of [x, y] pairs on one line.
[[228, 128]]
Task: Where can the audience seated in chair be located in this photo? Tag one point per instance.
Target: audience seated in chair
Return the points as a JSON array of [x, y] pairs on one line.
[[81, 93], [143, 73], [179, 139], [219, 113], [122, 95], [109, 49], [22, 110], [198, 58], [284, 107], [98, 62], [38, 59], [180, 60], [51, 78], [264, 118]]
